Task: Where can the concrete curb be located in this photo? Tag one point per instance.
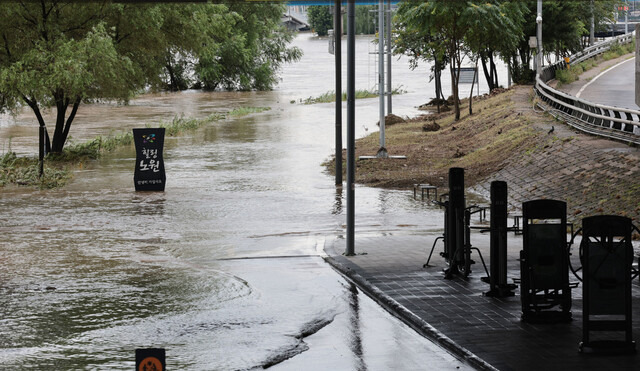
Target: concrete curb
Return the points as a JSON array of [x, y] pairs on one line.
[[408, 317]]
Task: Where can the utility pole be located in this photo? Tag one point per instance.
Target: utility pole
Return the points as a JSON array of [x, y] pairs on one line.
[[351, 118], [337, 37], [382, 152], [539, 38], [389, 88], [637, 64]]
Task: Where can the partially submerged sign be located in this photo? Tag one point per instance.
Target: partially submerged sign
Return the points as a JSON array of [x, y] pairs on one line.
[[149, 172], [152, 359]]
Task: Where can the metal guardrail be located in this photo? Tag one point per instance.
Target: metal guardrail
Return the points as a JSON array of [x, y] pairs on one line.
[[598, 119]]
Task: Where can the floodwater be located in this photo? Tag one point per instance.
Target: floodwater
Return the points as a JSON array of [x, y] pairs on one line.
[[224, 269]]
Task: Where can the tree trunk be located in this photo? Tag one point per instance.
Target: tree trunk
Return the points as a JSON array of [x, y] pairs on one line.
[[36, 110], [454, 67], [454, 89], [173, 85], [475, 73], [494, 73], [485, 70]]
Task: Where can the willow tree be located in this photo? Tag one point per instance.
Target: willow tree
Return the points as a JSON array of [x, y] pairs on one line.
[[495, 28], [56, 54], [419, 44], [445, 21], [248, 53]]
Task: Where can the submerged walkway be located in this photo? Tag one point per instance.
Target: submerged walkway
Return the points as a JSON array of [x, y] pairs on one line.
[[485, 331]]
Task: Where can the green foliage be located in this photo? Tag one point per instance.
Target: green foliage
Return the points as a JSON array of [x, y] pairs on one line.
[[320, 19], [249, 51], [572, 74], [443, 26], [419, 43], [57, 54], [568, 76], [366, 19], [522, 74], [494, 29]]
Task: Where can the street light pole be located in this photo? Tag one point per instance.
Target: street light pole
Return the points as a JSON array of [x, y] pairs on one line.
[[337, 37], [539, 38], [389, 89], [351, 118], [382, 152]]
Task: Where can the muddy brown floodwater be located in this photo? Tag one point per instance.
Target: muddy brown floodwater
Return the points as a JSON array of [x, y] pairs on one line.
[[224, 269]]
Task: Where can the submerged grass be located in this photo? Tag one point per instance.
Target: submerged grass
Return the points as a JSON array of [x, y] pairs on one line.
[[243, 111], [330, 96], [24, 171]]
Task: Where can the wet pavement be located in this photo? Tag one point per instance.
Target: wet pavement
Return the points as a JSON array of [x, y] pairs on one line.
[[485, 331], [613, 87]]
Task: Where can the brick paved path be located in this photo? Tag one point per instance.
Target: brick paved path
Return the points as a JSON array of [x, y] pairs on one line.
[[489, 328]]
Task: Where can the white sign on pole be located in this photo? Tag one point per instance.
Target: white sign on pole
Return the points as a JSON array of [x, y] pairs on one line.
[[467, 74]]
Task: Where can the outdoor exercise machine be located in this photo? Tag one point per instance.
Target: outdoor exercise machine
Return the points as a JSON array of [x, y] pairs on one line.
[[544, 262], [607, 258], [457, 228]]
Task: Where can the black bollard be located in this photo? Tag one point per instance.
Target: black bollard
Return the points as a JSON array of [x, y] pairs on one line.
[[454, 226], [498, 242]]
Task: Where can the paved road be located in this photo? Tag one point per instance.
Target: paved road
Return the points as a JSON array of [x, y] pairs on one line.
[[614, 86]]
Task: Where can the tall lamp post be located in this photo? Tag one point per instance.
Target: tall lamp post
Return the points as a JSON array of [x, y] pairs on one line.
[[539, 38], [337, 36], [351, 118], [637, 64]]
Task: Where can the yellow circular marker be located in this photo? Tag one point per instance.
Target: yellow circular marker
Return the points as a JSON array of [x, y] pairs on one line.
[[150, 364]]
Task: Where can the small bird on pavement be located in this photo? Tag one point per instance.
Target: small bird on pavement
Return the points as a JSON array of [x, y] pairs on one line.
[[552, 129]]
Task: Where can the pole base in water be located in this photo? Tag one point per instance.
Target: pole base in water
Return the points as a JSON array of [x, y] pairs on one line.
[[382, 153]]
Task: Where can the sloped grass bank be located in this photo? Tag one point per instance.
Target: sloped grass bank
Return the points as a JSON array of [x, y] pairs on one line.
[[480, 143]]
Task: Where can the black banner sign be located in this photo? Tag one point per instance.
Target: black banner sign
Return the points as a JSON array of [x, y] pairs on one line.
[[149, 174]]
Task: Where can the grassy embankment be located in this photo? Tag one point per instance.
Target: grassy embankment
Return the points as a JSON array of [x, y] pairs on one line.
[[479, 143], [24, 171]]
